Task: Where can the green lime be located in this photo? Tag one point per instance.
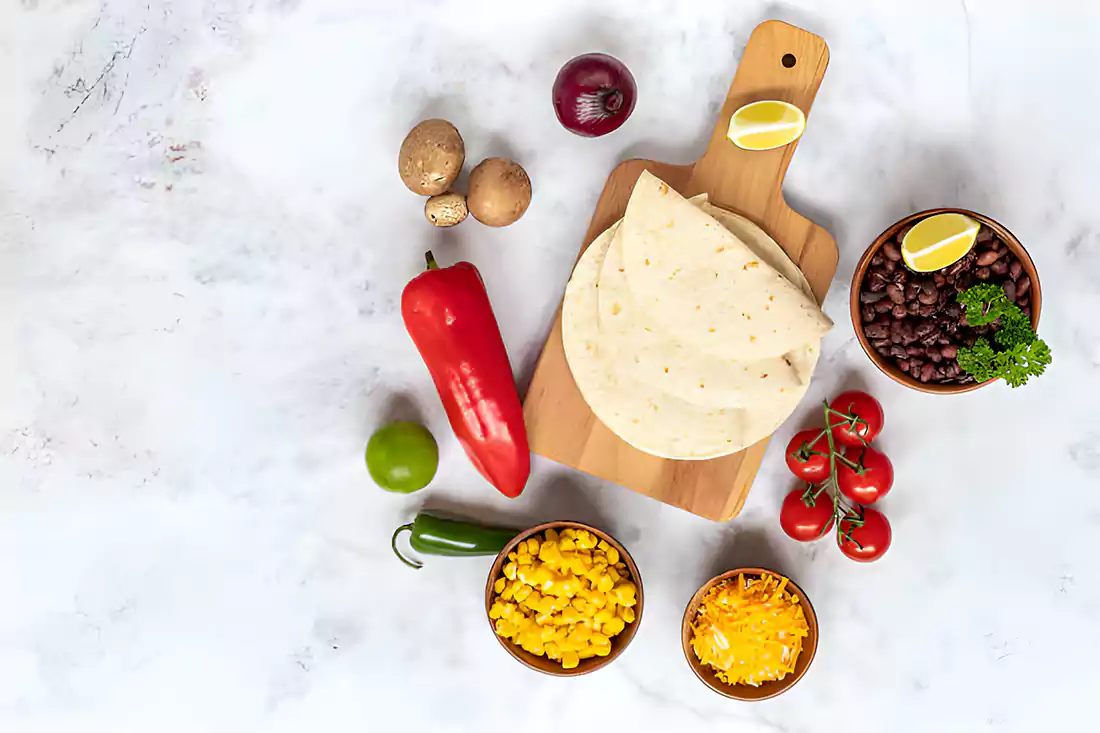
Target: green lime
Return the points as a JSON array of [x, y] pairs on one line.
[[402, 457]]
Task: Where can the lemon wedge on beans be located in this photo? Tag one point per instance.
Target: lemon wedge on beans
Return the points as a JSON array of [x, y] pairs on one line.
[[766, 125], [938, 241]]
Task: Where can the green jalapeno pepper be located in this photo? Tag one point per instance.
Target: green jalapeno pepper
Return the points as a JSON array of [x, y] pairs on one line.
[[433, 535]]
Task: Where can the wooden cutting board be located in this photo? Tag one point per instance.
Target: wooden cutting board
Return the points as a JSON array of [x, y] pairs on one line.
[[780, 62]]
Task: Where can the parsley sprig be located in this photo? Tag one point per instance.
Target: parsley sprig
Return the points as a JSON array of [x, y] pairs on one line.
[[1020, 353]]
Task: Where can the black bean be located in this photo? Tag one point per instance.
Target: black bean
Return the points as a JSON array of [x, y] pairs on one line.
[[954, 310], [984, 235], [982, 273], [889, 266], [939, 374], [908, 336], [934, 355], [877, 282], [938, 279], [903, 365], [1014, 270], [914, 350], [989, 257], [1010, 290], [866, 297], [883, 306], [877, 330], [926, 310], [924, 328], [877, 259], [928, 297], [903, 231], [1000, 267], [881, 343], [898, 352], [1022, 286], [915, 362], [891, 251], [912, 307], [911, 291], [926, 372], [899, 311], [949, 351], [895, 293], [868, 313]]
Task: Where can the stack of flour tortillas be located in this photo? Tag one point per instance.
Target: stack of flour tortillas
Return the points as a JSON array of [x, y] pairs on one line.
[[688, 330]]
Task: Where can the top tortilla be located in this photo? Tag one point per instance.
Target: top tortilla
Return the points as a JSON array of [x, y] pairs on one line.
[[673, 256]]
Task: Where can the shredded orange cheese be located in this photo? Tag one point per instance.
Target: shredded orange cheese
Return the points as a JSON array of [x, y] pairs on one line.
[[749, 630]]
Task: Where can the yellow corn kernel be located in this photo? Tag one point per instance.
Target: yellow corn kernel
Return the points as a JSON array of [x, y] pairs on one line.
[[533, 545], [522, 592], [614, 575], [626, 614], [603, 616], [569, 660], [590, 609], [570, 615], [551, 535], [495, 610], [613, 627], [532, 601], [624, 593], [510, 571], [579, 603], [551, 648], [602, 544], [512, 555], [603, 651], [586, 653], [567, 545], [596, 599], [580, 634], [547, 633], [605, 584], [524, 559], [621, 567], [600, 640], [587, 540], [521, 548], [498, 586], [506, 594], [612, 555]]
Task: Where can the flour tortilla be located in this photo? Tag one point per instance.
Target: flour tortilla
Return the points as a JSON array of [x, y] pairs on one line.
[[667, 421], [638, 348], [673, 254]]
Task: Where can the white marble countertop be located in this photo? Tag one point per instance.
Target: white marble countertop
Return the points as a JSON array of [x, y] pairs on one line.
[[203, 240]]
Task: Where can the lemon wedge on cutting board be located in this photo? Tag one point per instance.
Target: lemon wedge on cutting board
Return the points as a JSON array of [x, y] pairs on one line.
[[938, 241], [766, 125]]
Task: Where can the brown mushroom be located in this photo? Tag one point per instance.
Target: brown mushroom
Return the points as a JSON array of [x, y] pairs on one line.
[[500, 192], [431, 157], [446, 210]]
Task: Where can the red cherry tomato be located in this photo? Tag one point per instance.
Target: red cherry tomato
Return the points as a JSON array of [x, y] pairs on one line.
[[867, 423], [866, 539], [809, 460], [803, 522], [871, 481]]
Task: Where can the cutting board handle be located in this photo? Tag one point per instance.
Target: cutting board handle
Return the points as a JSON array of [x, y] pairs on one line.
[[780, 62]]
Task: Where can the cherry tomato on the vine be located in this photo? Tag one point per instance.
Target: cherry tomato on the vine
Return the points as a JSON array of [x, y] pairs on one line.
[[864, 539], [805, 522], [870, 481], [807, 459], [867, 423]]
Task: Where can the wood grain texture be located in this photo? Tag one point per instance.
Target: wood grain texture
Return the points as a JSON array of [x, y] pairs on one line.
[[560, 425]]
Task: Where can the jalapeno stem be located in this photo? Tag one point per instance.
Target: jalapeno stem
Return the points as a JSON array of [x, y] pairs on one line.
[[415, 565]]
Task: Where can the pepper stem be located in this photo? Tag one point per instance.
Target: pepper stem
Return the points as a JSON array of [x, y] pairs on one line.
[[430, 259], [393, 541]]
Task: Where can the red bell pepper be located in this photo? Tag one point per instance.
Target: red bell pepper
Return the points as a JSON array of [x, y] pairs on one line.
[[448, 314]]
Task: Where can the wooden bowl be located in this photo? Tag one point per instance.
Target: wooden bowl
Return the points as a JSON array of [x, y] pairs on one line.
[[887, 366], [766, 690], [545, 664]]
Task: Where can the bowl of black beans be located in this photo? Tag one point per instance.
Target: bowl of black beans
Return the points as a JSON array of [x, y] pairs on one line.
[[911, 324]]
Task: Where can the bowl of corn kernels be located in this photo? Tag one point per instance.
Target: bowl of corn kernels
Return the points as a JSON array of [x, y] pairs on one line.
[[564, 598], [749, 634]]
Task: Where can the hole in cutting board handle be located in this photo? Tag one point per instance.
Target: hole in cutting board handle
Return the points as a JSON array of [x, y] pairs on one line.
[[788, 60]]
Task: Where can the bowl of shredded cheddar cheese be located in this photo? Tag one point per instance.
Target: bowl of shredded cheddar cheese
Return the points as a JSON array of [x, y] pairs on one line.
[[564, 598], [749, 634]]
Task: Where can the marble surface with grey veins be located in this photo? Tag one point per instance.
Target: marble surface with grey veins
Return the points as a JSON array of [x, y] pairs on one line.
[[203, 240]]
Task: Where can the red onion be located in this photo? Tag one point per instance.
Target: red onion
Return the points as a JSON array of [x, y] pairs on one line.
[[594, 94]]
